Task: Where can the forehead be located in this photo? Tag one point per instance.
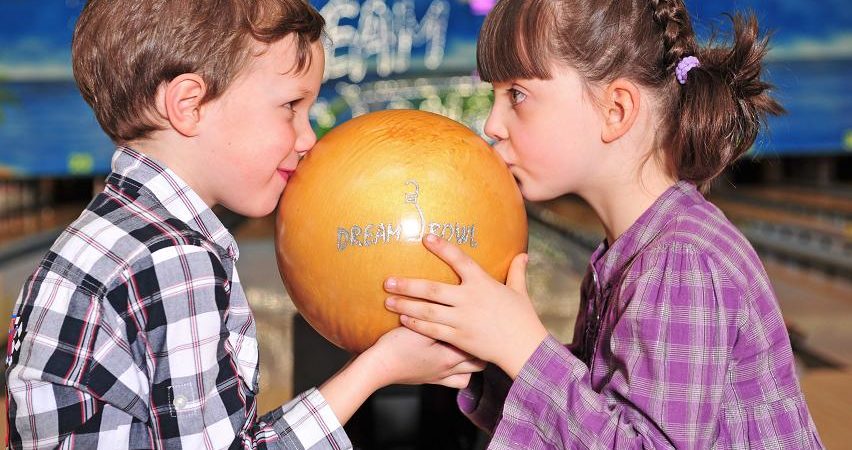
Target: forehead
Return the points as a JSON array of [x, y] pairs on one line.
[[281, 59]]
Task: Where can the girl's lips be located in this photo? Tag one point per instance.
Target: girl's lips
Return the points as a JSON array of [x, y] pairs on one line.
[[285, 174]]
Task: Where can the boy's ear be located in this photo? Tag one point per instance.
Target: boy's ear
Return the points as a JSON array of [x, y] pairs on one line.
[[179, 102], [621, 107]]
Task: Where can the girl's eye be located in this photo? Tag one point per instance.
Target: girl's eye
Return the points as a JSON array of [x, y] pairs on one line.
[[516, 96]]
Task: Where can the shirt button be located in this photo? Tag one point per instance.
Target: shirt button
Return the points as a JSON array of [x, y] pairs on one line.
[[179, 402]]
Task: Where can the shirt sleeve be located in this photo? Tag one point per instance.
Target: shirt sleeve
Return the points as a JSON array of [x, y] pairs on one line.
[[482, 400], [667, 356], [62, 340], [306, 422]]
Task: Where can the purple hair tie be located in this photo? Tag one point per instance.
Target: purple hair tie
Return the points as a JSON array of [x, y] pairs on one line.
[[684, 66]]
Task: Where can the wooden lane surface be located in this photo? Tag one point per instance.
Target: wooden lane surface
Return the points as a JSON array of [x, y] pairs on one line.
[[576, 213], [812, 198], [740, 212], [579, 214], [817, 305], [829, 398], [14, 228]]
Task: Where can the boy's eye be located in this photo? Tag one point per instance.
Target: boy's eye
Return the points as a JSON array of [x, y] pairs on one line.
[[291, 105], [516, 96]]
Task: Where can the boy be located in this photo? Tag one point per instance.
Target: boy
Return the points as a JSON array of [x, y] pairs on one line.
[[134, 331]]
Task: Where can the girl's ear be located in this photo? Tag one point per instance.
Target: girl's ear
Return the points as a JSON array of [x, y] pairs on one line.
[[179, 102], [620, 107]]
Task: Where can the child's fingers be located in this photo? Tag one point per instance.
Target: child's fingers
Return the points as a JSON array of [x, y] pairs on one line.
[[516, 278], [458, 381], [433, 330], [417, 288], [459, 261], [460, 361], [428, 311], [470, 365]]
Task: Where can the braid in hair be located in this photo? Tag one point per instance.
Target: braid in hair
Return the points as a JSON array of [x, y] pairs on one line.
[[678, 38]]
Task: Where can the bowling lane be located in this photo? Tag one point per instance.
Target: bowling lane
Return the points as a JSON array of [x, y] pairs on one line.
[[553, 283]]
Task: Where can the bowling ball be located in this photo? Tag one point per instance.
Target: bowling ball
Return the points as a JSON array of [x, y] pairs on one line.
[[357, 206]]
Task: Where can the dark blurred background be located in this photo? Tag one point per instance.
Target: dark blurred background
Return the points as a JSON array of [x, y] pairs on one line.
[[791, 195]]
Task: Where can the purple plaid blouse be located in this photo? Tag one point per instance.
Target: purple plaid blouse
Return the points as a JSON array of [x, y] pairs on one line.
[[679, 343]]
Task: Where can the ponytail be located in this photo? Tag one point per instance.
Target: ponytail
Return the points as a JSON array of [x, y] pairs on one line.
[[720, 107]]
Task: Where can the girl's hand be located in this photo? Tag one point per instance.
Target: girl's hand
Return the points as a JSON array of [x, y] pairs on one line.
[[481, 316], [402, 356]]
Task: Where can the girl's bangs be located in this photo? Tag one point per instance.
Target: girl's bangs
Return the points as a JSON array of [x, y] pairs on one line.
[[514, 42]]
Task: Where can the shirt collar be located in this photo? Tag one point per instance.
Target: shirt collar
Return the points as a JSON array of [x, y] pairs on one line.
[[130, 167], [610, 261]]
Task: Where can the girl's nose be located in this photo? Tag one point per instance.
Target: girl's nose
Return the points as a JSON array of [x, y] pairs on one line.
[[494, 127]]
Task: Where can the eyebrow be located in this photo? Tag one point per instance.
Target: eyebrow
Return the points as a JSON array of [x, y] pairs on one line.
[[302, 90], [306, 92]]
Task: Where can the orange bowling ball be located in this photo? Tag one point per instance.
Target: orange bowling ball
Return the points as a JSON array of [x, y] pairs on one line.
[[355, 210]]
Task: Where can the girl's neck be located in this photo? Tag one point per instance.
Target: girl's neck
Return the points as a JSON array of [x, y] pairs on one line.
[[619, 203]]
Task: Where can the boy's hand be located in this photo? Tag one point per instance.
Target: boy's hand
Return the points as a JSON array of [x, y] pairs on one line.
[[402, 356], [481, 316]]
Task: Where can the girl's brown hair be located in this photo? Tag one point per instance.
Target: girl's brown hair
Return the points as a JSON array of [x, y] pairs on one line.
[[706, 124], [123, 50]]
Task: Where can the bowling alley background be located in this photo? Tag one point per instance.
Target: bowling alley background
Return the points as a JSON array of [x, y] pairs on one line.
[[791, 195]]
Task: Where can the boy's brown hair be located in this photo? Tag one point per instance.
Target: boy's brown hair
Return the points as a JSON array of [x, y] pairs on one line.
[[123, 50]]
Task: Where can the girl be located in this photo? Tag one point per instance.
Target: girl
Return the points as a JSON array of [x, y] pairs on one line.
[[679, 341]]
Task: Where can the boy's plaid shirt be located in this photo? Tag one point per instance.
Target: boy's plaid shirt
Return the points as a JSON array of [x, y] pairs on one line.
[[134, 332]]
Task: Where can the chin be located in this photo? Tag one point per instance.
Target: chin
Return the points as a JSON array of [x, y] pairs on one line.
[[254, 210], [260, 212], [536, 196]]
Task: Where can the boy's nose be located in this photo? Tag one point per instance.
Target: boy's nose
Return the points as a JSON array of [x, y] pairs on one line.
[[305, 141]]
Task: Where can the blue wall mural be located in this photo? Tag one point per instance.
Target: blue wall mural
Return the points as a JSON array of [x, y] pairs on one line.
[[406, 53]]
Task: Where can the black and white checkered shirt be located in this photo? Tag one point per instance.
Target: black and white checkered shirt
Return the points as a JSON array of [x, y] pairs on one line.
[[134, 332]]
